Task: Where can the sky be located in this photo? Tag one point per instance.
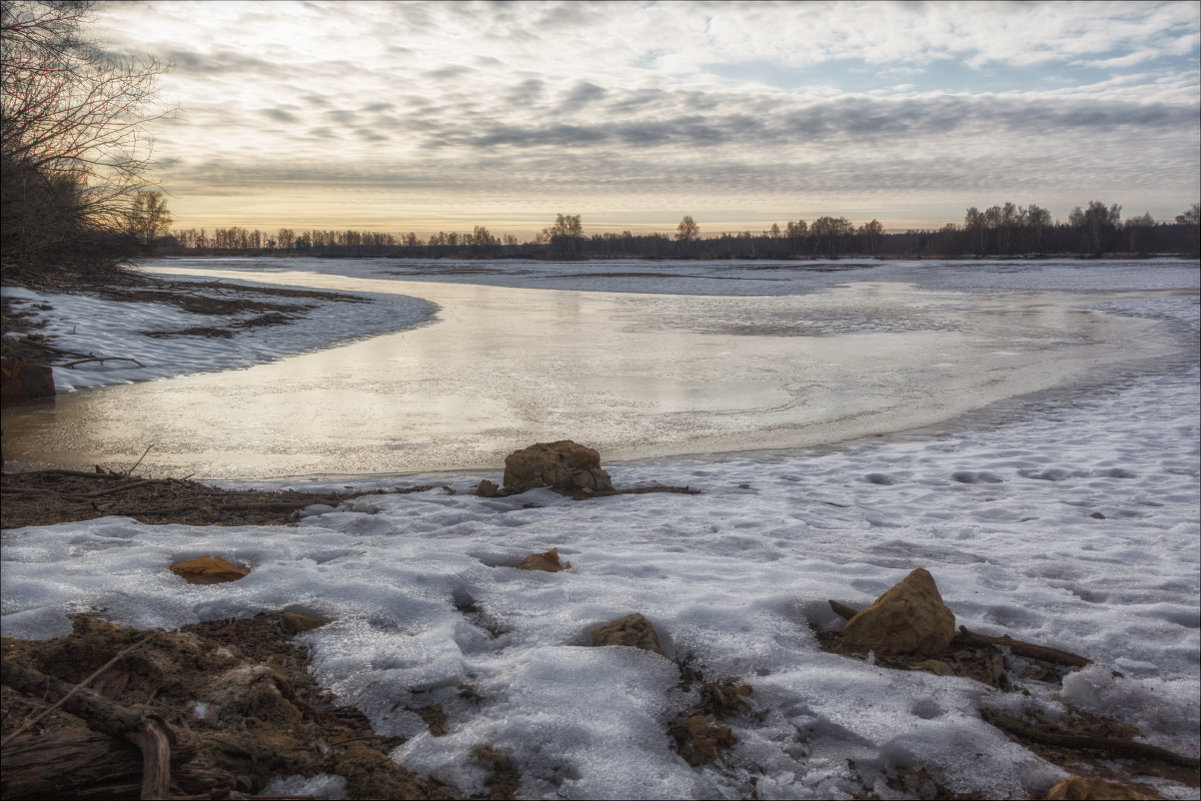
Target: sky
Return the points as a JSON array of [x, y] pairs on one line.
[[416, 116]]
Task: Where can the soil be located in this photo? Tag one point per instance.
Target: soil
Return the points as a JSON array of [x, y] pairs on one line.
[[45, 497], [236, 697]]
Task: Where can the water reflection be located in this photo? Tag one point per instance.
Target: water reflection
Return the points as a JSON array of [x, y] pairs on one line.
[[632, 375]]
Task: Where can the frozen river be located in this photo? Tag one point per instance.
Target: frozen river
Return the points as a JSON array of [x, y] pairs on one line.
[[785, 359]]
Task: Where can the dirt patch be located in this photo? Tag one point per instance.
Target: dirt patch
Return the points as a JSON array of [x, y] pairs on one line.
[[236, 698], [45, 497]]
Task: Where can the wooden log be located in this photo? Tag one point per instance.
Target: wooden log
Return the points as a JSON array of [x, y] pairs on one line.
[[1112, 745], [149, 733], [70, 763], [968, 637], [1023, 648], [842, 610]]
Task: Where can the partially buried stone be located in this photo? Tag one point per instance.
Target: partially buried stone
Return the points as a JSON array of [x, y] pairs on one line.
[[563, 466], [296, 623], [699, 738], [487, 489], [633, 630], [908, 619], [548, 561], [209, 570], [1081, 787]]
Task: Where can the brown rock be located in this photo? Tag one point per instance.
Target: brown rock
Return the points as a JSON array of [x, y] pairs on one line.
[[548, 561], [209, 570], [938, 668], [1080, 788], [908, 619], [699, 738], [22, 381], [295, 623], [487, 489], [563, 466], [633, 630]]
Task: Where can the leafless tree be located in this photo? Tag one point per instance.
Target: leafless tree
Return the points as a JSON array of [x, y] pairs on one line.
[[687, 230], [73, 139]]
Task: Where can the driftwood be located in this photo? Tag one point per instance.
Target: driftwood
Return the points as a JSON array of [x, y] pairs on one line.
[[842, 610], [71, 763], [149, 733], [102, 360], [1113, 745], [1023, 648], [967, 637]]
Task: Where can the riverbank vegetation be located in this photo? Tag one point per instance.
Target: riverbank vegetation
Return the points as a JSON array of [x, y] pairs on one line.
[[1094, 230]]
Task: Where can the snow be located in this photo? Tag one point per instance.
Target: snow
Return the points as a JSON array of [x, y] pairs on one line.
[[119, 328], [1070, 519]]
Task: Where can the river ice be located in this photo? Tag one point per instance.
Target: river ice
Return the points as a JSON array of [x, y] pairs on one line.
[[1069, 518]]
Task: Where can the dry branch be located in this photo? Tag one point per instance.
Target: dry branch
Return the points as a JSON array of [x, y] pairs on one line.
[[1112, 745], [1023, 648], [149, 733], [842, 610]]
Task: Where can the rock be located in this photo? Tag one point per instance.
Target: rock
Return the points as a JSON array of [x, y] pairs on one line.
[[908, 619], [936, 667], [295, 623], [633, 630], [548, 561], [22, 381], [209, 570], [563, 466], [487, 489], [1079, 788], [699, 738]]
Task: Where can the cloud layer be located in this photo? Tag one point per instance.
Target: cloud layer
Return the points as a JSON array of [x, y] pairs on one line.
[[397, 115]]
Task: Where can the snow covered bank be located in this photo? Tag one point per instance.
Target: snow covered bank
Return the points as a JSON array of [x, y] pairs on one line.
[[1077, 528], [1075, 524], [142, 331]]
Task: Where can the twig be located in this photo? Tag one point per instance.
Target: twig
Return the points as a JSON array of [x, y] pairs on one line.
[[82, 685], [102, 360], [139, 461], [1114, 745], [121, 488]]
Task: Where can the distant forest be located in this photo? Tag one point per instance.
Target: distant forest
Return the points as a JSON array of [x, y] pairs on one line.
[[1006, 230]]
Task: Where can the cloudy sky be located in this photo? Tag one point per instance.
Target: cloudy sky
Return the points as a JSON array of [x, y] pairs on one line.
[[402, 116]]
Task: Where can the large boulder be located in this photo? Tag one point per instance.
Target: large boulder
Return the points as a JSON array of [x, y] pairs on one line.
[[563, 466], [908, 619], [633, 630]]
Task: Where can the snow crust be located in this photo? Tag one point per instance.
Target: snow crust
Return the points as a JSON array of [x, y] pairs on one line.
[[118, 328], [1072, 521]]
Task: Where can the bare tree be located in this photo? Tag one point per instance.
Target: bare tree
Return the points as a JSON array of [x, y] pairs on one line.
[[73, 144], [687, 230], [147, 216]]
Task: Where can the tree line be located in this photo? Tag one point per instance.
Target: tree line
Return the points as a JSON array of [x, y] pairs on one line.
[[1005, 230], [74, 155]]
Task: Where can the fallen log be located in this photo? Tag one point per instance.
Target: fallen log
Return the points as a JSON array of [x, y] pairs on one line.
[[1112, 745], [842, 610], [149, 733], [1023, 648], [968, 637]]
